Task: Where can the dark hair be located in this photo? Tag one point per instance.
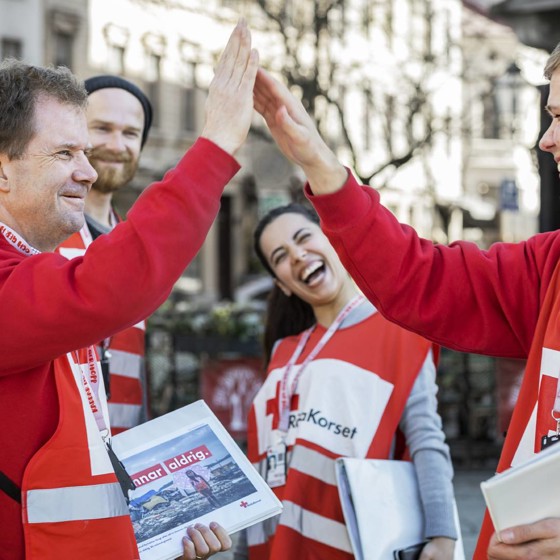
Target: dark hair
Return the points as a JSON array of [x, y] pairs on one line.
[[285, 315], [21, 86]]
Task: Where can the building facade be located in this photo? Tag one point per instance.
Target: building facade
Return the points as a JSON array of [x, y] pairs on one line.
[[396, 88]]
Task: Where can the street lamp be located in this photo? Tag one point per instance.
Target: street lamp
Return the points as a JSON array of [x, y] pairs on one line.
[[507, 91]]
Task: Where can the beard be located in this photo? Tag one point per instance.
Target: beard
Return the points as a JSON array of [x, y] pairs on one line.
[[110, 179]]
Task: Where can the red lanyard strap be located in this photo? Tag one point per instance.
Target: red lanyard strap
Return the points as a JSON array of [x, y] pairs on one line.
[[17, 241], [285, 395], [90, 382]]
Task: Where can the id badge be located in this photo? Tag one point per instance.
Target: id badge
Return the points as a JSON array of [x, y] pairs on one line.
[[547, 441], [276, 462], [276, 465]]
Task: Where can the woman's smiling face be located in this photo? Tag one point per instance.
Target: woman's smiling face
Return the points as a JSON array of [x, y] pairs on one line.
[[302, 258]]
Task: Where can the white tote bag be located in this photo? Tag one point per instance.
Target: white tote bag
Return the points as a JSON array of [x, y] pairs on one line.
[[382, 508]]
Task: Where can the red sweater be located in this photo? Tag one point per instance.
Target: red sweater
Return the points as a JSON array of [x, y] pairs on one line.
[[51, 305], [459, 296], [490, 302], [128, 402]]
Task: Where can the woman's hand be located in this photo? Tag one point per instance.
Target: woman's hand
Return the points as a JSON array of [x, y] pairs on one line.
[[438, 548]]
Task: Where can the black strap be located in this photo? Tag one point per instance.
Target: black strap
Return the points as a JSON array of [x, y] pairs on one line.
[[120, 471], [10, 488]]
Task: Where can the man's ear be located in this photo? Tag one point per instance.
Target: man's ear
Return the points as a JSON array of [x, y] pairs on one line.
[[3, 179], [287, 292]]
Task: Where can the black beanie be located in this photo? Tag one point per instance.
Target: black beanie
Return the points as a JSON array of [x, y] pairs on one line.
[[108, 81]]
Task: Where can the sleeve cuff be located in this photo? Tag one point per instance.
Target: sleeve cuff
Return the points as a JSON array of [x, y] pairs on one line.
[[343, 208]]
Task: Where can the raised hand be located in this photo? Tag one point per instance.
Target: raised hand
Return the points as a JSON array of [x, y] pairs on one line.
[[296, 134], [229, 106]]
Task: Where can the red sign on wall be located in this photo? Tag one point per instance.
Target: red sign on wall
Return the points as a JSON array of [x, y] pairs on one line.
[[228, 385]]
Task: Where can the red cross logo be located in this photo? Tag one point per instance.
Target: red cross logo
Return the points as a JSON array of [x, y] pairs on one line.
[[272, 406]]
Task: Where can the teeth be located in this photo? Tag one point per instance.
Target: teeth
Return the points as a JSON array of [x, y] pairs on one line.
[[310, 269]]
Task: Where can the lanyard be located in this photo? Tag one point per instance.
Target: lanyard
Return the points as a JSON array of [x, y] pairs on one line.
[[89, 374], [17, 241], [90, 380], [285, 394]]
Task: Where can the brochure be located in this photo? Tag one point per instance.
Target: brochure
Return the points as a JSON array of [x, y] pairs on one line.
[[187, 469], [526, 493]]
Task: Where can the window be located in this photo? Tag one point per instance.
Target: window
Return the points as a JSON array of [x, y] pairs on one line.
[[189, 109], [189, 120], [154, 47], [11, 48], [63, 46], [194, 269], [154, 77], [64, 27], [115, 61], [491, 125], [117, 39]]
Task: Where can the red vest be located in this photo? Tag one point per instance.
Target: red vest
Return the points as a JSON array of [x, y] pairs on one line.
[[73, 506], [348, 403], [126, 402], [532, 417]]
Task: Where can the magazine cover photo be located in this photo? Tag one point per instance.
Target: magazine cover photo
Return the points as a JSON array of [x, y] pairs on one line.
[[187, 469], [187, 478]]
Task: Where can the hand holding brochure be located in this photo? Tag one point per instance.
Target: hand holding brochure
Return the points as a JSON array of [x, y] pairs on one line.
[[526, 493], [187, 469]]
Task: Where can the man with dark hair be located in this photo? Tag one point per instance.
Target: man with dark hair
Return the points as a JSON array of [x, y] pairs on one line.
[[119, 117], [59, 494]]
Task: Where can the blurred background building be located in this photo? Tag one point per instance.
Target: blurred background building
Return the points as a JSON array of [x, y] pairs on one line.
[[436, 103]]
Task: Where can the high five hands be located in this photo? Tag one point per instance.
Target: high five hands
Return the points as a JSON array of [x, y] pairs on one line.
[[296, 134], [238, 83]]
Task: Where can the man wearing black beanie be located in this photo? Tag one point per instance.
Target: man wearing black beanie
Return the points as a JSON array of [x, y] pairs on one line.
[[108, 81], [119, 118]]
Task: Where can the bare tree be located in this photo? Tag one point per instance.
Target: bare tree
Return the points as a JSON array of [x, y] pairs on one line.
[[311, 32]]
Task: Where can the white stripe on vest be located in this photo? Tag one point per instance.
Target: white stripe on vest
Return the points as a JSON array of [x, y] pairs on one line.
[[125, 364], [313, 464], [125, 415], [315, 526], [76, 503], [260, 533]]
